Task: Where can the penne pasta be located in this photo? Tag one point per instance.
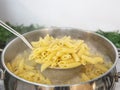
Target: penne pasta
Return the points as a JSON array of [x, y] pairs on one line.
[[61, 53]]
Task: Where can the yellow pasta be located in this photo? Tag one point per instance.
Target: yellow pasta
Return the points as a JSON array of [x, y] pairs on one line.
[[91, 71], [62, 53], [27, 70], [63, 49]]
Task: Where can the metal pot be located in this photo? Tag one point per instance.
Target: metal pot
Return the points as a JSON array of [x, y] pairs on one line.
[[95, 41]]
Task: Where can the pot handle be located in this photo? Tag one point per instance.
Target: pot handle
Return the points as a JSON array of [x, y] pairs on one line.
[[2, 86], [119, 53], [1, 50], [117, 75]]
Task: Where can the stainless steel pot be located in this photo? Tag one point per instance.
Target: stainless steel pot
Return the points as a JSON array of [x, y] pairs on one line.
[[95, 41]]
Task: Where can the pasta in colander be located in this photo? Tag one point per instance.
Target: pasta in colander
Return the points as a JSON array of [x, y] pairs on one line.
[[62, 53]]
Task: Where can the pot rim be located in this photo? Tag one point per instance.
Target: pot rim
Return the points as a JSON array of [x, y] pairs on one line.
[[62, 85]]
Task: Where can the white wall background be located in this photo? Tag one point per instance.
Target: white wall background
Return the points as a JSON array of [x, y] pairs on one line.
[[84, 14]]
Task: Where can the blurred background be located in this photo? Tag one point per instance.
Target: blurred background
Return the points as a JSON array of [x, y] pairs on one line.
[[90, 15], [85, 14]]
